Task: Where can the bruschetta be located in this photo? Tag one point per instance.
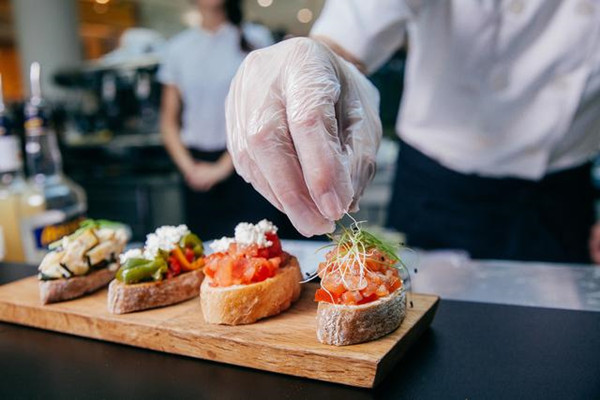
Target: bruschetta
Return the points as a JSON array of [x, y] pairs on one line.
[[361, 297], [249, 277], [167, 271], [82, 262]]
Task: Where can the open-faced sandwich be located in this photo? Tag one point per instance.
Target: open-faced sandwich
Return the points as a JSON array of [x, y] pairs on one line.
[[167, 271], [361, 297], [82, 262], [249, 277]]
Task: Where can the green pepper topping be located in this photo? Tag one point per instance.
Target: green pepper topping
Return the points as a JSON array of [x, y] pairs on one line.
[[135, 262], [138, 270], [192, 241]]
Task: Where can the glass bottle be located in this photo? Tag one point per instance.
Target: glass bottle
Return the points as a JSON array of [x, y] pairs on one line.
[[14, 190], [65, 202]]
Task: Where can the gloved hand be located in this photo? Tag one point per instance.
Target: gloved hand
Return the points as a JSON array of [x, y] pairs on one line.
[[303, 127]]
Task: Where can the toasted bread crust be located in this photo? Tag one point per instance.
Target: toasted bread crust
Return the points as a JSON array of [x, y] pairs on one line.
[[124, 298], [56, 290], [341, 325], [245, 304]]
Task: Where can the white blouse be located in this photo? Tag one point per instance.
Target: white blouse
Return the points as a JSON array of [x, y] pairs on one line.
[[201, 64], [495, 88]]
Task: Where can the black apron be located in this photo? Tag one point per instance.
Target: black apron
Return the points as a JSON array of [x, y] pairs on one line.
[[493, 218]]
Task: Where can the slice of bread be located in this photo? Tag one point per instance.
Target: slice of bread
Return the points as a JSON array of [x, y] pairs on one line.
[[245, 304], [341, 325], [55, 290], [124, 298]]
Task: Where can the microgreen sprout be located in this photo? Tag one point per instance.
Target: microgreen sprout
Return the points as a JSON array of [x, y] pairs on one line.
[[352, 253]]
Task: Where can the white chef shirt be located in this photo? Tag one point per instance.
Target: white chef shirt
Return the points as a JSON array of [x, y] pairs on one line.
[[495, 88], [201, 64]]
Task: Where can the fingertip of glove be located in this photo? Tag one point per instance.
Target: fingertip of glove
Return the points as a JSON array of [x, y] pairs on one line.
[[322, 228], [331, 206]]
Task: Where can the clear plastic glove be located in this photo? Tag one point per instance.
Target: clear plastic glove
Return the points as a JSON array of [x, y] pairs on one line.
[[303, 128]]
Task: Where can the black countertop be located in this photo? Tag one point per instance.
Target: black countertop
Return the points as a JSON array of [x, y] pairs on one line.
[[472, 351]]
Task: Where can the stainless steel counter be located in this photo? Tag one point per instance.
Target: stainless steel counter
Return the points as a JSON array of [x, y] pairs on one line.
[[452, 275]]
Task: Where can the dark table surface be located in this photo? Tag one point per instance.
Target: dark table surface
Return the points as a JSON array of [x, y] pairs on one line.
[[472, 351]]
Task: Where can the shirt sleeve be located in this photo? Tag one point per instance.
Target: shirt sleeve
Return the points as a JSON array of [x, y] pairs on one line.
[[369, 30], [167, 73]]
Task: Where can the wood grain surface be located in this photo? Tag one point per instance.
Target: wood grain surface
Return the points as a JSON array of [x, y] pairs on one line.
[[285, 343]]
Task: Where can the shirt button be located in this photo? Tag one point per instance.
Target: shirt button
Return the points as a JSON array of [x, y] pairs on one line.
[[516, 6], [585, 8]]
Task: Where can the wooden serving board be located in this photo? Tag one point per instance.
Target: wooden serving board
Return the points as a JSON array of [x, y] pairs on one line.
[[285, 344]]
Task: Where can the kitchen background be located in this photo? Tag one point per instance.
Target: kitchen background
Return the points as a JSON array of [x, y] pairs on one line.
[[99, 60]]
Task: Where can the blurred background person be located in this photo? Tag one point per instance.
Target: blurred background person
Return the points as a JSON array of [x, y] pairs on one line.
[[198, 66]]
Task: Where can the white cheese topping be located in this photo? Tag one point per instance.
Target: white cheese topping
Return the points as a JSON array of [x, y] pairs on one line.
[[164, 238], [132, 253], [221, 245], [247, 234], [266, 226]]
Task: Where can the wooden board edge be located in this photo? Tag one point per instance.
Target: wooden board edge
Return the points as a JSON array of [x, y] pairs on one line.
[[281, 360], [390, 359]]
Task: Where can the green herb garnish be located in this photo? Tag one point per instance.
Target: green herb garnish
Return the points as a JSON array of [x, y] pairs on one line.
[[352, 246], [356, 235]]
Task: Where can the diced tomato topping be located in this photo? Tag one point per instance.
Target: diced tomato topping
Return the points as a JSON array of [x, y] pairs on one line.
[[262, 273], [368, 299], [262, 252], [382, 291], [322, 295], [275, 248], [333, 284], [224, 274], [244, 265], [174, 267], [251, 271], [352, 297], [209, 269], [394, 284], [376, 277]]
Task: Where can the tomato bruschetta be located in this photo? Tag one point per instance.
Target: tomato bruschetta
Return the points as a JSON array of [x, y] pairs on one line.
[[249, 277], [361, 297]]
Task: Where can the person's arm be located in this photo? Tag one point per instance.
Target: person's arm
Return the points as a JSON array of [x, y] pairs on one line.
[[225, 164], [198, 175], [169, 123], [342, 52], [364, 33], [207, 174]]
